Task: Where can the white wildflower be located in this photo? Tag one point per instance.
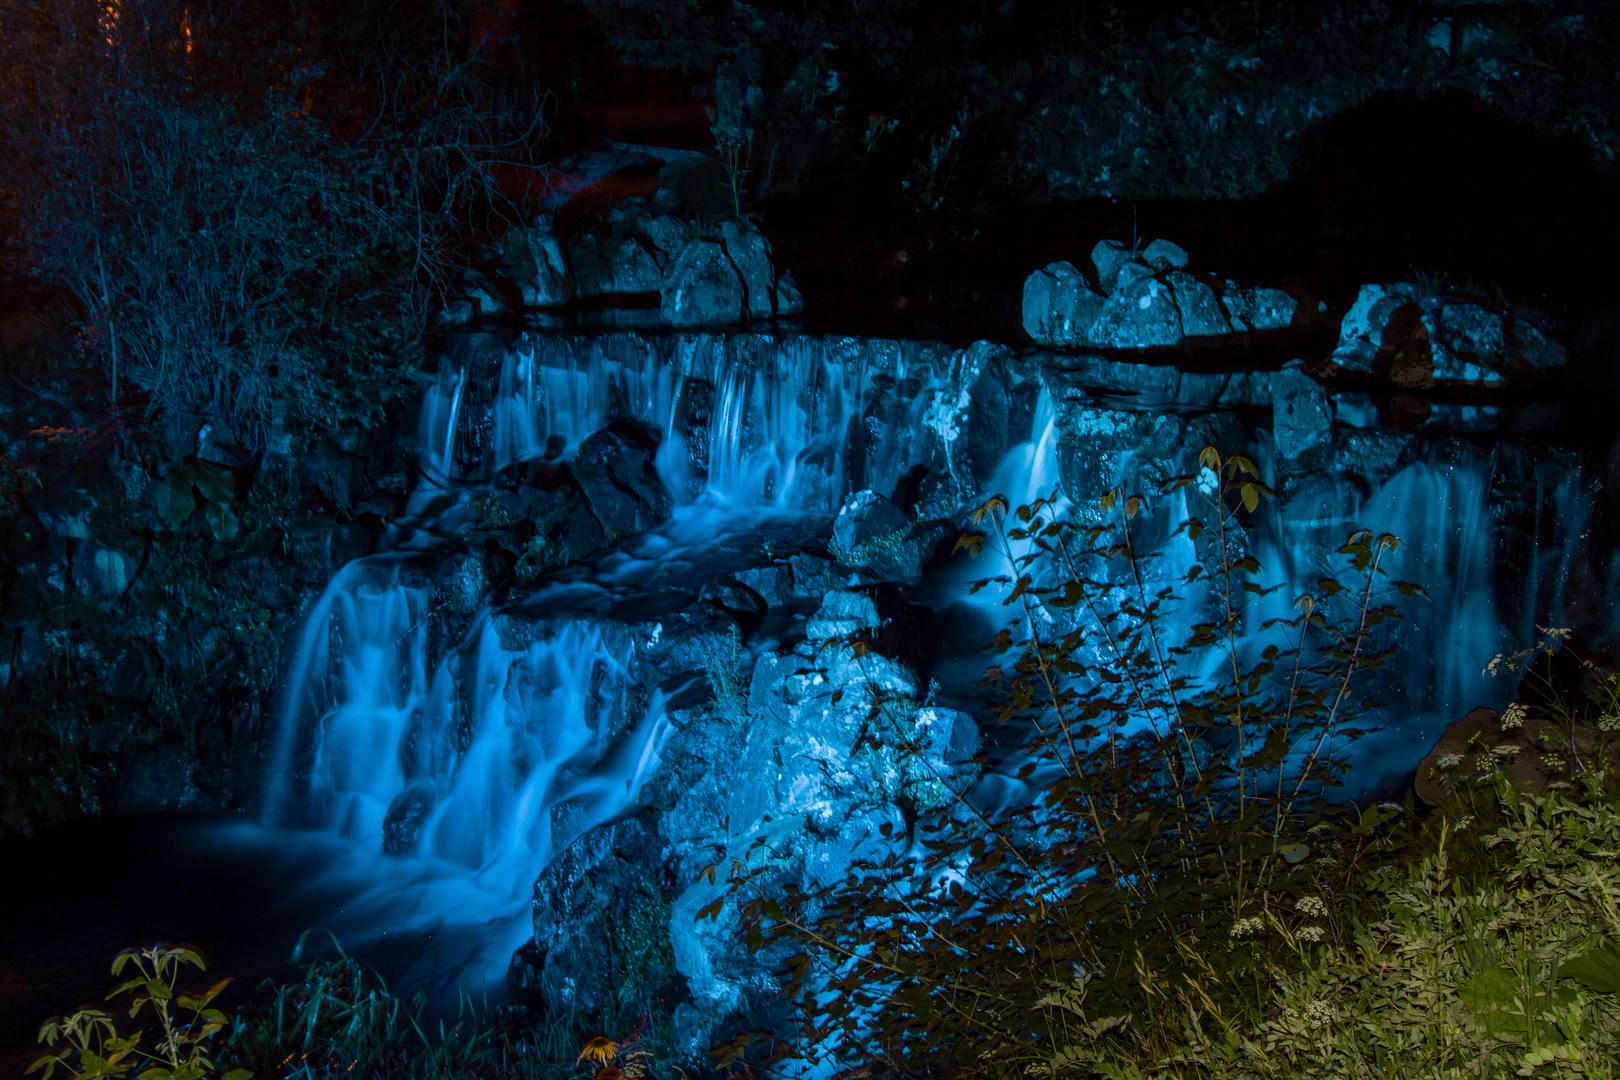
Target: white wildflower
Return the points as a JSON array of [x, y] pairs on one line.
[[1245, 927], [1505, 751], [1312, 906], [1514, 717], [1391, 807], [1449, 761], [1311, 933], [1463, 823], [1318, 1014], [1556, 633], [1559, 785], [1609, 723], [1490, 668]]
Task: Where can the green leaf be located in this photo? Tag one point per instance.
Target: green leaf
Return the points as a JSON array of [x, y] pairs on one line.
[[222, 521], [1597, 970], [175, 502], [216, 483], [1493, 986], [710, 911], [1293, 853]]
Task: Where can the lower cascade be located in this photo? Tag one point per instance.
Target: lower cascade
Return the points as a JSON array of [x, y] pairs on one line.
[[649, 585]]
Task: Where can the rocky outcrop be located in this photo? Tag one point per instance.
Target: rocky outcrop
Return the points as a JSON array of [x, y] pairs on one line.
[[1417, 341], [1144, 300], [715, 276]]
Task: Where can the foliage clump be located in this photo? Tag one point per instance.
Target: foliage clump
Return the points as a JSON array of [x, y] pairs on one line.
[[243, 213], [1173, 888]]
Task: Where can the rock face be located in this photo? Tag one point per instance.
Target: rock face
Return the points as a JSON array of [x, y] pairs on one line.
[[725, 276], [702, 287], [1302, 417], [1058, 306], [1145, 302], [1417, 341]]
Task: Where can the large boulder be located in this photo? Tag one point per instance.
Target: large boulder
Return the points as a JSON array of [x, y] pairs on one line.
[[702, 287], [609, 266], [750, 253], [1059, 307], [534, 260], [1253, 309], [1138, 316], [1201, 312], [1107, 257], [615, 468], [1365, 325], [1301, 417], [1419, 341]]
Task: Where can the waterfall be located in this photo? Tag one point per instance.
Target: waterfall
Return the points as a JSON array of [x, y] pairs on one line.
[[451, 766]]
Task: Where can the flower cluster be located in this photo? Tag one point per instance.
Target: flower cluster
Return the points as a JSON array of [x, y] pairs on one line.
[[1312, 933], [1318, 1014], [1245, 927], [1514, 716], [1609, 723], [1449, 761], [1312, 906]]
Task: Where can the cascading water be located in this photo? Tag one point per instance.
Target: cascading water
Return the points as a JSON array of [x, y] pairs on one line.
[[472, 763], [451, 770]]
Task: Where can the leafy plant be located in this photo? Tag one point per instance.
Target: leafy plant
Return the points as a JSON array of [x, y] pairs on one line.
[[1175, 805], [92, 1046]]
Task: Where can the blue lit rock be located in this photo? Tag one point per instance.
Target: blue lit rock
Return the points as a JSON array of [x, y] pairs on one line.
[[789, 300], [750, 253], [1253, 309], [613, 265], [701, 287], [1059, 306], [1107, 257], [868, 529], [1164, 255], [1139, 316], [1361, 332], [1301, 416], [1201, 312]]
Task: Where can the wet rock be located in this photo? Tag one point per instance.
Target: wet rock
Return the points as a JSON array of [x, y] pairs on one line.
[[1163, 255], [615, 469], [1059, 307], [602, 920], [103, 570], [64, 510], [132, 675], [1301, 417], [841, 616], [701, 287], [1417, 341], [1201, 313], [1138, 316], [870, 531], [667, 236], [409, 811]]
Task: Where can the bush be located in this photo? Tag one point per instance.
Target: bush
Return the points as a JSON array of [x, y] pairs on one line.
[[247, 212], [1175, 890]]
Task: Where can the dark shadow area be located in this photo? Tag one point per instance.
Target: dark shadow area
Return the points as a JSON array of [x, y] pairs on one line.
[[1394, 186]]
